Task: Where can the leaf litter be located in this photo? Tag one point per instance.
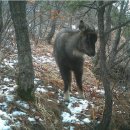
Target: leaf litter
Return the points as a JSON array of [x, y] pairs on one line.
[[74, 115], [15, 112]]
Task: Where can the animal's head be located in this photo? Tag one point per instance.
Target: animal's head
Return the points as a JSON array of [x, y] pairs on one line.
[[88, 39]]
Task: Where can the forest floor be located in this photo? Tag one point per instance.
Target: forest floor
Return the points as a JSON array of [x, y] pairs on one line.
[[49, 111]]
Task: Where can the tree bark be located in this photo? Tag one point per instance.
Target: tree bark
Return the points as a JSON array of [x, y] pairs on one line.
[[54, 15], [1, 22], [104, 125], [52, 31], [116, 42], [108, 21], [34, 22], [41, 21], [25, 79]]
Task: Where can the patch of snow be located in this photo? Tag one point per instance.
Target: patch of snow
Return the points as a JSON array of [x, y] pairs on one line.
[[69, 128], [72, 127], [69, 118], [101, 91], [15, 86], [34, 110], [41, 90], [36, 80], [7, 90], [82, 105], [3, 125], [2, 66], [65, 116], [76, 107], [31, 119], [3, 106], [6, 128], [7, 80], [18, 124], [49, 86], [4, 115], [43, 59], [10, 98], [86, 120], [119, 112], [49, 100], [18, 113], [66, 128], [10, 62], [23, 104], [73, 26], [10, 30]]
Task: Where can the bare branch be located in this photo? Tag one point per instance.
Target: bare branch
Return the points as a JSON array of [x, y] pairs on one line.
[[117, 27], [90, 6], [108, 3], [121, 60], [123, 45]]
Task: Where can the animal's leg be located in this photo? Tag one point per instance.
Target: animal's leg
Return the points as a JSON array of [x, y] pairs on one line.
[[78, 76], [66, 76]]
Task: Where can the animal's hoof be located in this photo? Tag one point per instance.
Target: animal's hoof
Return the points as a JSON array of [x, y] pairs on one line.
[[66, 101], [66, 97]]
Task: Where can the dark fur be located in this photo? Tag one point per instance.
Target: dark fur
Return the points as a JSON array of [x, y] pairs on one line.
[[69, 48]]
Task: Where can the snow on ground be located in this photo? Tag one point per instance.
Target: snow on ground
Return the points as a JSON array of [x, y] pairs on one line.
[[76, 107], [43, 59], [10, 62], [7, 94], [8, 118]]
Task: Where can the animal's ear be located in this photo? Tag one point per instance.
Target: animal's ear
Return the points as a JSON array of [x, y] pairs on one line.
[[82, 26]]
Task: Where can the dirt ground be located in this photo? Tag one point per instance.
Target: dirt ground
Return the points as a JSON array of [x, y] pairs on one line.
[[49, 104]]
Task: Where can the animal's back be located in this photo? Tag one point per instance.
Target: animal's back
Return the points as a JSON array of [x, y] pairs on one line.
[[65, 43], [62, 40]]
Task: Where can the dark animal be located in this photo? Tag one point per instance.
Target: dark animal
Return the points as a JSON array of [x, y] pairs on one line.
[[69, 48]]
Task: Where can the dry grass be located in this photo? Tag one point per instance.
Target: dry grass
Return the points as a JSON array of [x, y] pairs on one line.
[[49, 111], [51, 76]]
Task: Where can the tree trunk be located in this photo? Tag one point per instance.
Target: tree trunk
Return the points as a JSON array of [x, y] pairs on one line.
[[1, 22], [54, 15], [116, 42], [108, 22], [52, 31], [34, 23], [41, 21], [104, 125], [25, 79]]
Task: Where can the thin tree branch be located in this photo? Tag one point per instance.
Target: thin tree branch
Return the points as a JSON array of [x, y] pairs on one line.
[[117, 27], [123, 45], [120, 60], [91, 6], [108, 3]]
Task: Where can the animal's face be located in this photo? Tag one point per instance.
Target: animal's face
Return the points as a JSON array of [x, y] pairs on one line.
[[88, 39]]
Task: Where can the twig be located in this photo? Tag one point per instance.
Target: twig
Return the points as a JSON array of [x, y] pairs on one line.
[[108, 3], [117, 27]]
